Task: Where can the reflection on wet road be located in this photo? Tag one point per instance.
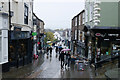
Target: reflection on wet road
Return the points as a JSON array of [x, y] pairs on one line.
[[51, 69]]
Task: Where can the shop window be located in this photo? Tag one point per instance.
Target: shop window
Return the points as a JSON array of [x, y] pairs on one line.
[[12, 53]]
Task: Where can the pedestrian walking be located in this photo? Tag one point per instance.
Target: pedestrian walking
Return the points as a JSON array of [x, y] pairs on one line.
[[47, 50], [61, 58], [56, 49], [60, 48], [68, 58], [67, 62], [50, 51]]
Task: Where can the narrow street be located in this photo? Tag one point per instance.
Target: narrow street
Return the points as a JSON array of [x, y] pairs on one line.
[[49, 67], [39, 38]]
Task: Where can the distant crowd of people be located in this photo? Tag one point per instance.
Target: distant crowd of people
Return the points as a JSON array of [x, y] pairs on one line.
[[64, 57]]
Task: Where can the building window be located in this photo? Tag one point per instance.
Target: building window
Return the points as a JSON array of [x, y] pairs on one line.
[[79, 19], [83, 18], [83, 37], [86, 15], [79, 35], [75, 34], [76, 21], [25, 14], [90, 12]]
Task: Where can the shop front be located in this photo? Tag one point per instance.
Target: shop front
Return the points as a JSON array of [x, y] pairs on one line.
[[106, 44], [81, 48], [20, 49]]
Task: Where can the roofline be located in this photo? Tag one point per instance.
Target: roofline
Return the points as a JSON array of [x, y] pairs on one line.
[[38, 18], [78, 14]]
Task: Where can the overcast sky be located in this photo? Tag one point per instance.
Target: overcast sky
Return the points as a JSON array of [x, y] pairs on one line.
[[57, 14]]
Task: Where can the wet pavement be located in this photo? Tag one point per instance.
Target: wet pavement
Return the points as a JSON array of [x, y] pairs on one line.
[[50, 67]]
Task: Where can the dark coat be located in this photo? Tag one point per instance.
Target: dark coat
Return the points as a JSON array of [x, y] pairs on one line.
[[61, 57], [56, 49], [68, 56], [50, 49]]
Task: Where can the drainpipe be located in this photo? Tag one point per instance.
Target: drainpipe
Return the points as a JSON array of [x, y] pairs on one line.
[[9, 33]]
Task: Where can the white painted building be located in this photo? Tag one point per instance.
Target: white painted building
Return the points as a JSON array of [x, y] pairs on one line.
[[4, 26], [3, 37], [21, 10], [57, 36], [22, 14]]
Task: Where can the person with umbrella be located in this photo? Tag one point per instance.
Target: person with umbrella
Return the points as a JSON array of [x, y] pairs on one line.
[[60, 48], [68, 57]]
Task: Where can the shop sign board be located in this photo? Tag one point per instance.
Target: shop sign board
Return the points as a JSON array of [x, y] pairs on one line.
[[20, 35]]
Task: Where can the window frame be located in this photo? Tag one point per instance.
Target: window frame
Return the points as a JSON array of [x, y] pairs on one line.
[[75, 21], [26, 13], [79, 19]]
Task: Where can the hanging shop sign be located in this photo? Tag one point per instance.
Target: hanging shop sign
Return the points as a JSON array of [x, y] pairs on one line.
[[98, 34], [34, 33]]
